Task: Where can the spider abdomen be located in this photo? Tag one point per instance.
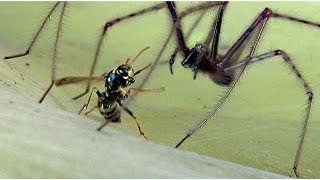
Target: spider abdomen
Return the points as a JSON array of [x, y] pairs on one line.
[[216, 74]]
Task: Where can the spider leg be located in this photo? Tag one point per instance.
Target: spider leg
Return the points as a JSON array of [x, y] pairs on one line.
[[106, 27], [216, 33], [34, 39], [55, 52], [267, 13], [308, 91], [176, 23], [242, 62]]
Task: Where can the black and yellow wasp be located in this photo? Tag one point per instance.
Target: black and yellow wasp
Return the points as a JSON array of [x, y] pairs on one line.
[[117, 82]]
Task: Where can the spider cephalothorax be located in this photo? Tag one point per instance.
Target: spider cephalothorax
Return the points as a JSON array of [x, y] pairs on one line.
[[197, 60], [196, 55]]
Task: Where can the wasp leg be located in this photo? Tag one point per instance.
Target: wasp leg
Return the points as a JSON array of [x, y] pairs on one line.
[[94, 107], [85, 105], [103, 125], [135, 118]]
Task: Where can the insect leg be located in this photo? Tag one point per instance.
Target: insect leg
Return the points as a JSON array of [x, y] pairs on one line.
[[135, 119], [103, 125], [242, 62], [158, 90], [216, 32], [55, 53], [85, 105], [93, 108], [176, 23], [34, 39], [309, 94]]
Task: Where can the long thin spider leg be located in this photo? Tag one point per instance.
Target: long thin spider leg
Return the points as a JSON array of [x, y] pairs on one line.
[[241, 63], [308, 91], [106, 27], [266, 13], [176, 23], [135, 119], [216, 33], [34, 39], [290, 18], [261, 18], [55, 53], [302, 80]]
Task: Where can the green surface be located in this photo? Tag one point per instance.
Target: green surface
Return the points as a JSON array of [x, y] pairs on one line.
[[258, 126], [65, 146]]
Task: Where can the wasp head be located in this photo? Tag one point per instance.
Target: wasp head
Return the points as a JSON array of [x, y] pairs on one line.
[[126, 73]]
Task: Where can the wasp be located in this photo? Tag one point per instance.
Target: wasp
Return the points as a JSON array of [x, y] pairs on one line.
[[117, 83]]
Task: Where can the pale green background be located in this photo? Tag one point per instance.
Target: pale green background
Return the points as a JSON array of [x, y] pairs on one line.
[[258, 126]]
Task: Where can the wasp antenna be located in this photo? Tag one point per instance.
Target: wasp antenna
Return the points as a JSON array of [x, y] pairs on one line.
[[139, 71], [127, 61], [140, 52]]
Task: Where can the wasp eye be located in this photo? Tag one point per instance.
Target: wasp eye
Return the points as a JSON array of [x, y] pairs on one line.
[[131, 73]]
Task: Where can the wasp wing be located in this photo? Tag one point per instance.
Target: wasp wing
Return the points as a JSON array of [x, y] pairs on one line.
[[77, 79]]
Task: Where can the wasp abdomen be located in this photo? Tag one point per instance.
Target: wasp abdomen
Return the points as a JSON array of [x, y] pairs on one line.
[[111, 113]]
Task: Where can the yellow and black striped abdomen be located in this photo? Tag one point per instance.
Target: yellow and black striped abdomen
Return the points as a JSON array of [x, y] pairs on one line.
[[111, 113]]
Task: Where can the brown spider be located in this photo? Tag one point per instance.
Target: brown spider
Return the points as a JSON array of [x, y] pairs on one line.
[[204, 58]]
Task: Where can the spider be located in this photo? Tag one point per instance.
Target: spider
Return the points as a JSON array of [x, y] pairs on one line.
[[105, 29], [181, 16], [205, 58]]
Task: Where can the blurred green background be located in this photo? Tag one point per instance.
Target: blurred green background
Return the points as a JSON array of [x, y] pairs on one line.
[[258, 126]]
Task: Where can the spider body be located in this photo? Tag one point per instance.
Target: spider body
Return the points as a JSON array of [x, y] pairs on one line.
[[197, 60], [204, 58]]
